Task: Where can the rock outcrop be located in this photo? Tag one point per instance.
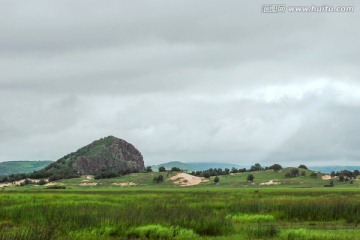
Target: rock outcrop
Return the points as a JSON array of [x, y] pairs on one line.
[[109, 154]]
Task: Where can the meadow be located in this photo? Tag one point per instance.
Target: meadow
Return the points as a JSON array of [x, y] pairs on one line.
[[180, 213]]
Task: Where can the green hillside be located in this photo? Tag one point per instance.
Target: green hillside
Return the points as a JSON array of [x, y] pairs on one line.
[[14, 167]]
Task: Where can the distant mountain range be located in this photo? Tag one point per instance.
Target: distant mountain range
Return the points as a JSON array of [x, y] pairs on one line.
[[14, 167], [194, 166], [169, 165], [200, 166], [328, 169]]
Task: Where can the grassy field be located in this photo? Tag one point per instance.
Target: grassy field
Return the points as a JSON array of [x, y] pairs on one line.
[[233, 209]]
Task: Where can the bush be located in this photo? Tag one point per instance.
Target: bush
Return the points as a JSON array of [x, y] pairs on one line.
[[162, 169], [41, 182], [148, 169], [216, 179], [56, 187], [106, 174], [313, 175], [250, 178], [159, 179], [341, 178], [294, 172]]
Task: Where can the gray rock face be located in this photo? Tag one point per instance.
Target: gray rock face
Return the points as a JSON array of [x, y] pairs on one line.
[[109, 154], [118, 156]]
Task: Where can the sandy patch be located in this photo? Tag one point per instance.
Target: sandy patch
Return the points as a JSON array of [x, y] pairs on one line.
[[326, 177], [184, 179], [53, 184], [6, 185], [271, 182], [88, 184], [17, 183], [232, 174], [125, 184]]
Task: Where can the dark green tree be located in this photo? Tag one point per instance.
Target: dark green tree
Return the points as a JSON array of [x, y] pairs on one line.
[[303, 166], [276, 167], [175, 169]]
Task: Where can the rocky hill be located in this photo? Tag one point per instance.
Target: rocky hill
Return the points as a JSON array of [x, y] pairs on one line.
[[109, 156]]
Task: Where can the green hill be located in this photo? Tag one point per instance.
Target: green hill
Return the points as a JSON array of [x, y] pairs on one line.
[[14, 167]]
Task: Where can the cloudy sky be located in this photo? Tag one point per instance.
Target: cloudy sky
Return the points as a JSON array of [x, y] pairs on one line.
[[204, 81]]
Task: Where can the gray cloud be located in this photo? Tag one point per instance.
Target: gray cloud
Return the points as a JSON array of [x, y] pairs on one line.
[[189, 81]]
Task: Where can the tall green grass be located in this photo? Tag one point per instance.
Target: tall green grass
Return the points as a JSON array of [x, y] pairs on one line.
[[174, 214]]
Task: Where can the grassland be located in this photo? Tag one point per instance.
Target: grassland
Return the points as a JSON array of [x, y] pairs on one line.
[[233, 209]]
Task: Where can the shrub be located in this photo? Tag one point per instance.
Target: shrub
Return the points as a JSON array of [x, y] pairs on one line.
[[250, 178], [216, 179], [41, 182], [341, 178], [159, 179], [56, 187], [162, 169], [313, 175], [294, 172]]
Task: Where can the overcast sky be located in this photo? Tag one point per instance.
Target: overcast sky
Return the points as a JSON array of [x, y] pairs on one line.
[[193, 81]]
